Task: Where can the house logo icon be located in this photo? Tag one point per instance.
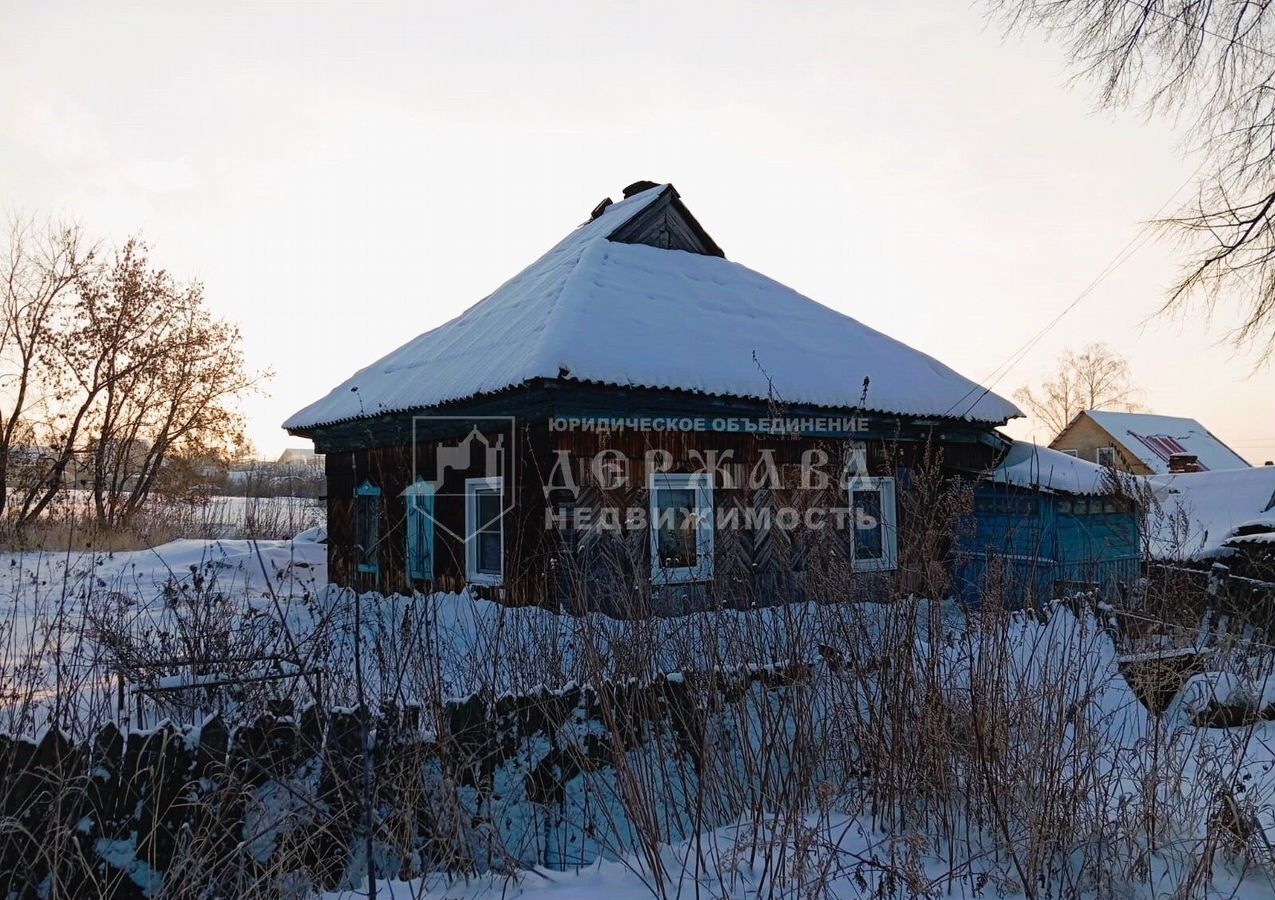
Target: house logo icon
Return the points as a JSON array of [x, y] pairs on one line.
[[459, 458], [464, 466]]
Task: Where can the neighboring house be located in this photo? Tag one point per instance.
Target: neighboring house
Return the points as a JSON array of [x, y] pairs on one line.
[[1145, 444], [490, 450], [300, 456], [1045, 524]]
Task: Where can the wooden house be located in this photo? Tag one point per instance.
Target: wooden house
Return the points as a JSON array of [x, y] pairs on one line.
[[1145, 443], [632, 389]]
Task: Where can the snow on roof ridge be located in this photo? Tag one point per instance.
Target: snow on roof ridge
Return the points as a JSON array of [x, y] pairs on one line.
[[635, 315]]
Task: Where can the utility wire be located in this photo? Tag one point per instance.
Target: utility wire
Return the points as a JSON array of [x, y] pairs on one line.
[[1134, 244], [1234, 42]]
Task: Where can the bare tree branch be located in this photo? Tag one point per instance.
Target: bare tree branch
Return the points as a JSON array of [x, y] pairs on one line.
[[1095, 378], [1213, 62]]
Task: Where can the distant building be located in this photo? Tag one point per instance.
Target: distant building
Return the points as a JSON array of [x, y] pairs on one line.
[[300, 456], [1145, 444]]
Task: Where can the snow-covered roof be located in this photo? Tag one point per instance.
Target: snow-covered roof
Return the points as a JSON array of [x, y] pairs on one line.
[[1262, 538], [1153, 439], [1200, 511], [1032, 466], [597, 310]]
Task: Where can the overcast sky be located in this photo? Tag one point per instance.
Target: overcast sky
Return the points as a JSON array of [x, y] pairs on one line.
[[344, 177]]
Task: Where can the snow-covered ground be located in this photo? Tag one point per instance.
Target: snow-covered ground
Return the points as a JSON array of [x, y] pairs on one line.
[[216, 516], [1077, 743], [833, 856], [1111, 754], [30, 581], [64, 615]]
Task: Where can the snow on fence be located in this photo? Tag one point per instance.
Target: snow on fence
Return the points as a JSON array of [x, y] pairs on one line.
[[480, 784]]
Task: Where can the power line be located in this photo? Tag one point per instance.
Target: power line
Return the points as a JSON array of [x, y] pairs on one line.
[[1015, 358], [1135, 243], [1147, 8]]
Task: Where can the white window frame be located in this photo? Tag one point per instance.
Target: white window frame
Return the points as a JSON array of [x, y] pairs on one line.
[[889, 559], [419, 488], [1073, 453], [1098, 456], [474, 487], [702, 484]]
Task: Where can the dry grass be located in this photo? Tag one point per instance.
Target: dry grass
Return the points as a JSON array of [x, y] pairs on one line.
[[69, 525], [994, 751]]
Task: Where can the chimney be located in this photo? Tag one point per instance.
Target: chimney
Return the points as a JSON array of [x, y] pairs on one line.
[[600, 208], [1183, 462], [638, 187]]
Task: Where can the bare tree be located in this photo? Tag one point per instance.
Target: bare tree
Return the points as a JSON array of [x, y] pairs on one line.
[[171, 381], [1215, 62], [1095, 378], [94, 343], [107, 370], [41, 267]]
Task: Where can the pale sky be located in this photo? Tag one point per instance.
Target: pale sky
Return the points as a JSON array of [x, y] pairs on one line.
[[342, 178]]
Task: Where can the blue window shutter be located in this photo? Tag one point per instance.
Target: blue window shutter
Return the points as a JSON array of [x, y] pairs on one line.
[[420, 532], [367, 523]]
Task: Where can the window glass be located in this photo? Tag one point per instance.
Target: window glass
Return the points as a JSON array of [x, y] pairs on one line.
[[484, 547], [489, 532], [873, 522], [681, 523], [869, 526], [676, 527]]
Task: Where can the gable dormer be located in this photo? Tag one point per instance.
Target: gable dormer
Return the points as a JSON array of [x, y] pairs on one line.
[[666, 224]]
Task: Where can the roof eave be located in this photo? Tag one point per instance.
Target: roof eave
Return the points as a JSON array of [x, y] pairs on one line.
[[920, 418]]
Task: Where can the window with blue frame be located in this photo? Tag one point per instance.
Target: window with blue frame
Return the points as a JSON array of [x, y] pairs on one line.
[[420, 531], [367, 526]]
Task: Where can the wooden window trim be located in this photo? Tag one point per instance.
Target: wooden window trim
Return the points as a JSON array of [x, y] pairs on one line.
[[413, 494], [367, 489]]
